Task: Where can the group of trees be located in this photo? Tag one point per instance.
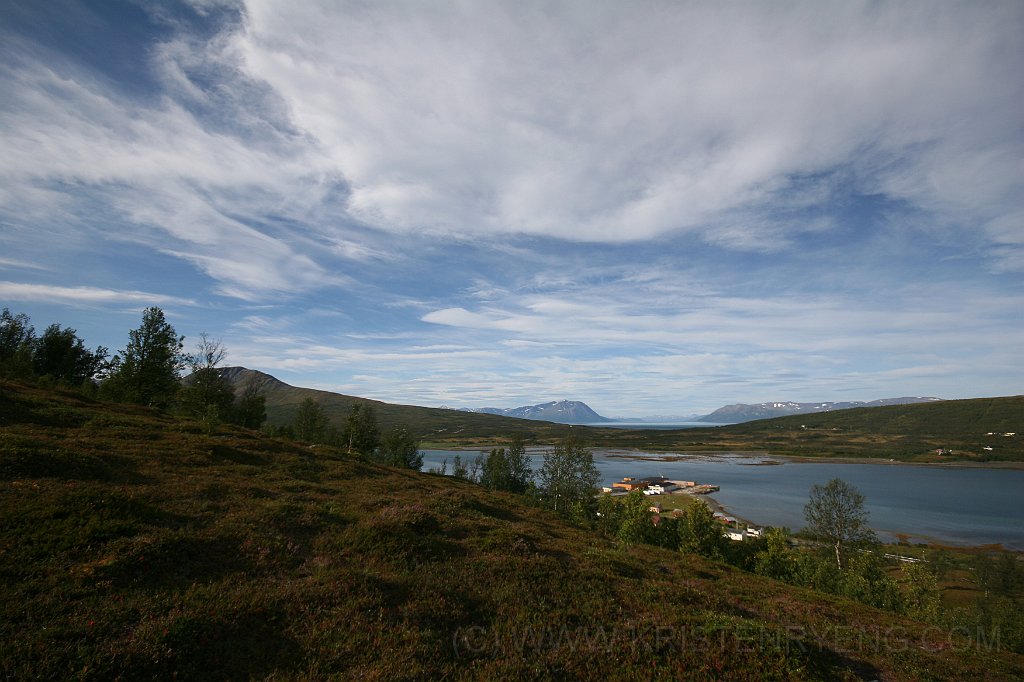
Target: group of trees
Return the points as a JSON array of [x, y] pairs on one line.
[[147, 371], [694, 530], [566, 481], [360, 435], [58, 354], [836, 553]]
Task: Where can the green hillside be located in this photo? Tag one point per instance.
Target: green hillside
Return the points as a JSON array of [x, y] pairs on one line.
[[912, 433], [429, 423], [135, 546], [905, 432]]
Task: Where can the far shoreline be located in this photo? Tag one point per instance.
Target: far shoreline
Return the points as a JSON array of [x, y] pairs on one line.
[[679, 456], [801, 459]]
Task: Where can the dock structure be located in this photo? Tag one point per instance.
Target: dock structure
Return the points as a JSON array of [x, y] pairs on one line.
[[659, 485]]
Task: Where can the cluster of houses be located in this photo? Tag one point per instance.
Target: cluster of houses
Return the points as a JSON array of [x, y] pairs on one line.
[[658, 485], [741, 534]]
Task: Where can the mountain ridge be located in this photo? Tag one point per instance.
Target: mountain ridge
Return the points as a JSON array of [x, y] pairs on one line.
[[744, 412], [283, 400], [557, 411]]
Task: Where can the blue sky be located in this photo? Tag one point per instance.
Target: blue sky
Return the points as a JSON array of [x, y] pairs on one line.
[[656, 207]]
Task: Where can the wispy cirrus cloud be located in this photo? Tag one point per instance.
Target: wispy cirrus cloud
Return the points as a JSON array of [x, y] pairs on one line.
[[18, 291], [614, 123], [218, 196]]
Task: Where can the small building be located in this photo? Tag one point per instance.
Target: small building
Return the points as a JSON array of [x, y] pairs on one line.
[[629, 484], [753, 532], [736, 535], [652, 483]]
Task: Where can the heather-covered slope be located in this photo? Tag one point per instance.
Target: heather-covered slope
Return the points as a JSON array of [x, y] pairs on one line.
[[133, 545]]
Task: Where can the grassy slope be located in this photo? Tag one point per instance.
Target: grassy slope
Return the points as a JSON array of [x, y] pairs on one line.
[[436, 424], [906, 432], [901, 431], [133, 545]]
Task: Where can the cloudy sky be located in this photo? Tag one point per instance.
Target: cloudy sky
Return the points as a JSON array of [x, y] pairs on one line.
[[655, 207]]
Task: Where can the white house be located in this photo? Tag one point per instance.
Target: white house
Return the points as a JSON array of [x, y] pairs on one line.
[[737, 535]]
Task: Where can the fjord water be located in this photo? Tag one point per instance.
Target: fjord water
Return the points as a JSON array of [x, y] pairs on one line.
[[952, 505]]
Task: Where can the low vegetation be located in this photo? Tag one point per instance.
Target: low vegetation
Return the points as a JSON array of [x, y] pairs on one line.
[[138, 544]]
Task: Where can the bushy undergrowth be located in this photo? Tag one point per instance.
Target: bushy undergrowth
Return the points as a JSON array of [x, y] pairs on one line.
[[230, 555]]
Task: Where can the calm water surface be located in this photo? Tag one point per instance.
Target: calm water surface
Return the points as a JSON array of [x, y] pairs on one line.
[[961, 506]]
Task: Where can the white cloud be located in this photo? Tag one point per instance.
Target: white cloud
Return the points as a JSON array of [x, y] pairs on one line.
[[14, 263], [182, 183], [17, 291], [621, 122]]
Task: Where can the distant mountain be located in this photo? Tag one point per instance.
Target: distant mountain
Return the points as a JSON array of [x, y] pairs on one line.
[[735, 414], [283, 401], [558, 411]]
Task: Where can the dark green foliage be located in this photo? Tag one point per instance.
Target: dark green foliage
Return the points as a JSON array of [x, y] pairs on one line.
[[635, 525], [568, 478], [835, 514], [310, 423], [507, 469], [61, 355], [921, 597], [700, 533], [460, 468], [206, 395], [361, 434], [149, 364], [250, 408], [777, 560], [17, 337], [608, 516], [864, 578], [399, 448]]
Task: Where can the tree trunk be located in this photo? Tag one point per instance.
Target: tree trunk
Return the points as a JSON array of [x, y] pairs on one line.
[[839, 561]]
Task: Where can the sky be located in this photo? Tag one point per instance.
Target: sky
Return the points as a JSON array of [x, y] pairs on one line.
[[657, 208]]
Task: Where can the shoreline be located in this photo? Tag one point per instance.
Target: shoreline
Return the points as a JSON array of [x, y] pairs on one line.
[[679, 456], [892, 538], [717, 507], [641, 455], [798, 459]]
